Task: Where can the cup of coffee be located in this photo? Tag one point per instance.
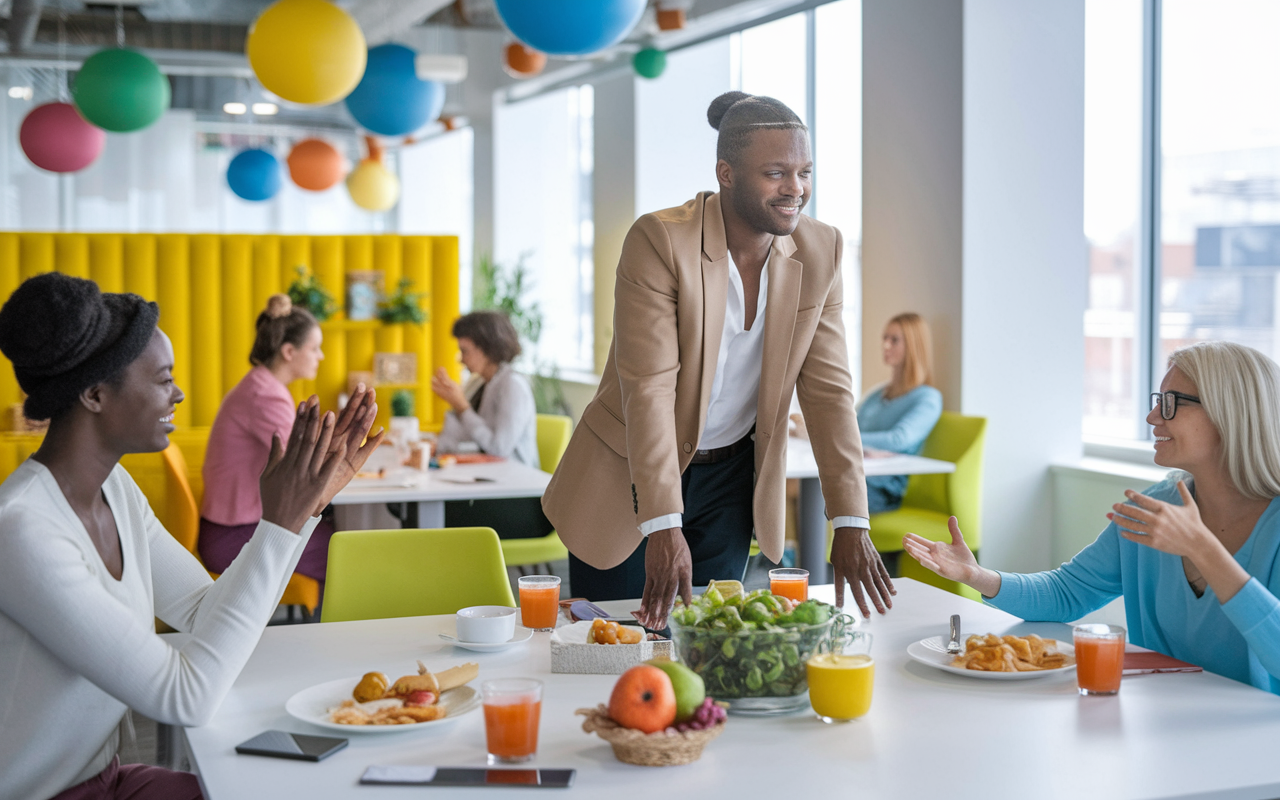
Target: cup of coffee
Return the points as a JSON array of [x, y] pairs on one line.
[[486, 624]]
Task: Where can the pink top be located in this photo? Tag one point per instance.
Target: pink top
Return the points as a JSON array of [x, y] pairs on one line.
[[240, 444]]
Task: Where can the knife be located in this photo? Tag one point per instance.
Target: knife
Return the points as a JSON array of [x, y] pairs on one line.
[[953, 644]]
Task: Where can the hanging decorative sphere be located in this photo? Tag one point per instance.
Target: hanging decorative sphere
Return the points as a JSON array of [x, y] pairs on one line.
[[570, 27], [254, 175], [120, 90], [55, 137], [373, 187], [520, 61], [391, 99], [649, 63], [307, 51], [315, 165]]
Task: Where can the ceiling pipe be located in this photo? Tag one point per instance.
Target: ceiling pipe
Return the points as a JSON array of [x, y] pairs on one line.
[[24, 18]]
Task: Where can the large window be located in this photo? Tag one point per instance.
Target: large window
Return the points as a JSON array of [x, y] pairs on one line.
[[1182, 191]]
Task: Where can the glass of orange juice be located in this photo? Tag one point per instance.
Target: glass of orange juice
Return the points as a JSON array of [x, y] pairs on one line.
[[841, 678], [512, 710], [1099, 658], [790, 583], [539, 601]]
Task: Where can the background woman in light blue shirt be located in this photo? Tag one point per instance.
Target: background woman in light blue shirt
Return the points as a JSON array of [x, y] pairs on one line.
[[898, 416], [1194, 556]]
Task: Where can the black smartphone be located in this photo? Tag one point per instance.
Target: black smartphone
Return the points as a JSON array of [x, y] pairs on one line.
[[468, 776], [282, 744]]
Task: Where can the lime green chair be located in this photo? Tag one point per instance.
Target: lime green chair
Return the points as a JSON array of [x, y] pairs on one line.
[[931, 499], [553, 438], [409, 572]]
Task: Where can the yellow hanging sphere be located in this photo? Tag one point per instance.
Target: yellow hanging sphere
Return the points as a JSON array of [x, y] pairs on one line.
[[372, 186], [307, 51]]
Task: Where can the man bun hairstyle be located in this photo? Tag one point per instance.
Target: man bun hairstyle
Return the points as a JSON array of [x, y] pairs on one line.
[[64, 335], [280, 323], [737, 115]]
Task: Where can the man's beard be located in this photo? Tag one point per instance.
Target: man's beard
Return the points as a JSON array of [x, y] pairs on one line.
[[760, 219]]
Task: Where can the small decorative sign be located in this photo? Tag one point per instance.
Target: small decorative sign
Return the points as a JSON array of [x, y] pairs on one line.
[[399, 368]]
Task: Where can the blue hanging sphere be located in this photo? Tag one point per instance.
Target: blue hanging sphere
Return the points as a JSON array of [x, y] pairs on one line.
[[254, 175], [570, 27], [391, 100]]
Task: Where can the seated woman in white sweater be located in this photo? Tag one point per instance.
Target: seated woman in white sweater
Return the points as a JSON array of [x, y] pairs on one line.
[[85, 566]]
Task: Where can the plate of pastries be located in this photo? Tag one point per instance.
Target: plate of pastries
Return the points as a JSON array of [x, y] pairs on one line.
[[373, 703], [995, 657]]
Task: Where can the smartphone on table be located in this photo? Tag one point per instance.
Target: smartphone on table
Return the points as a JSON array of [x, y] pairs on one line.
[[298, 746], [468, 776]]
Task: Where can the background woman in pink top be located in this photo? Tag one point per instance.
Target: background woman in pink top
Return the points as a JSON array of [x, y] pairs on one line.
[[287, 348]]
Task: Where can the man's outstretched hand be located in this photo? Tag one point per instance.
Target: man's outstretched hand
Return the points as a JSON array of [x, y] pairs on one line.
[[855, 560], [668, 571]]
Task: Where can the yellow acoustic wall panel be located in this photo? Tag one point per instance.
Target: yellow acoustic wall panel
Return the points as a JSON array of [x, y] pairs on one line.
[[10, 277], [140, 265], [444, 305], [205, 394], [211, 288], [173, 293]]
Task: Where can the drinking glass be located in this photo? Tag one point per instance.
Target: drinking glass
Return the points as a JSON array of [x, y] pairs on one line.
[[512, 710], [790, 583], [841, 678], [539, 601], [1099, 658]]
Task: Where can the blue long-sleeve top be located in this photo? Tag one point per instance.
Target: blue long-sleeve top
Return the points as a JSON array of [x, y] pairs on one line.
[[1239, 639], [900, 425]]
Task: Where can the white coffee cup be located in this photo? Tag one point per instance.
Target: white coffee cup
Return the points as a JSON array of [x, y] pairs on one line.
[[486, 624]]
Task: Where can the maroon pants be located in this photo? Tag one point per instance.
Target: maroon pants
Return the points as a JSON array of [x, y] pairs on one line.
[[220, 544], [135, 782]]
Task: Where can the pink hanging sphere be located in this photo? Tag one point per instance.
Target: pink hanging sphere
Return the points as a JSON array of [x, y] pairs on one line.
[[55, 137]]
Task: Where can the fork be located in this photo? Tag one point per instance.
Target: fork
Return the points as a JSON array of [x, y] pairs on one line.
[[953, 644]]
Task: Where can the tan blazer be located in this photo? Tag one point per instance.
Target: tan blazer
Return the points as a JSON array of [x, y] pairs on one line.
[[638, 434]]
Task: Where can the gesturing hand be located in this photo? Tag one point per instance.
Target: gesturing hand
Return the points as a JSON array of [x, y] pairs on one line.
[[351, 430], [668, 570], [448, 390], [1164, 526], [296, 477], [855, 560], [952, 560]]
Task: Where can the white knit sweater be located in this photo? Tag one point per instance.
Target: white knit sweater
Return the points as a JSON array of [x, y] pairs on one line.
[[78, 648]]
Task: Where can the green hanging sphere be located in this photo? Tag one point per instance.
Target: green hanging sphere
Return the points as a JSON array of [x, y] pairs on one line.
[[120, 90], [649, 62]]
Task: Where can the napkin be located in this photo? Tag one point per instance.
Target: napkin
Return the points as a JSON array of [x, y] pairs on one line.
[[1141, 661]]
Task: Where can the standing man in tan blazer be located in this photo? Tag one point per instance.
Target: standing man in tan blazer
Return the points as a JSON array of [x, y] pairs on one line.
[[723, 307]]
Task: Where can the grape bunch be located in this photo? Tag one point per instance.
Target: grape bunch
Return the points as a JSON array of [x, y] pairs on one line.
[[708, 715]]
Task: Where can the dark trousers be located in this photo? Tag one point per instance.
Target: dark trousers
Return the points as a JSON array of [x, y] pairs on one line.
[[512, 518], [717, 525]]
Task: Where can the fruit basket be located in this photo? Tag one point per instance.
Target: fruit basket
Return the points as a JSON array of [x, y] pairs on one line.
[[664, 748], [751, 650]]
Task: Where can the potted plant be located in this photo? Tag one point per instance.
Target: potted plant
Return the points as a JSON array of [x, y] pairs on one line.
[[309, 293], [402, 305], [404, 424]]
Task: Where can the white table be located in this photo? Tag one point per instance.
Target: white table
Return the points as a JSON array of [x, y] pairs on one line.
[[811, 517], [430, 489], [929, 734]]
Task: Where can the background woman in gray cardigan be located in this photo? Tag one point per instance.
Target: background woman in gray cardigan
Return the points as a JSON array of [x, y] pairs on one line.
[[495, 412]]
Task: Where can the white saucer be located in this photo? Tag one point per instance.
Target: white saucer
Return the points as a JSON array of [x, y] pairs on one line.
[[521, 635]]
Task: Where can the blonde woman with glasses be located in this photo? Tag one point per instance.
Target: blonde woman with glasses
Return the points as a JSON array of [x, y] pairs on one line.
[[1194, 556]]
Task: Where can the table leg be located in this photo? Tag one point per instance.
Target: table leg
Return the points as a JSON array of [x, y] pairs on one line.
[[812, 531], [431, 514]]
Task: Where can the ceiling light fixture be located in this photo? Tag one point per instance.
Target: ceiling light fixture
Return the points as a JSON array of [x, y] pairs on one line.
[[20, 92], [266, 109], [234, 108]]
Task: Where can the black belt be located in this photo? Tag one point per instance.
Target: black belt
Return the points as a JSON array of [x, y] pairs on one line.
[[724, 453]]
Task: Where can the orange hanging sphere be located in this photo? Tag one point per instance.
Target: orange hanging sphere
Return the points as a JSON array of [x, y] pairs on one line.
[[315, 165], [523, 62]]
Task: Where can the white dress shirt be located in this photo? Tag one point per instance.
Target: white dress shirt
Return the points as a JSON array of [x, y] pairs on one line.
[[731, 414]]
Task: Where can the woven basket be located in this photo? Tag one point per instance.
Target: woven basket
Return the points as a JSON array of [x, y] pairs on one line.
[[661, 749]]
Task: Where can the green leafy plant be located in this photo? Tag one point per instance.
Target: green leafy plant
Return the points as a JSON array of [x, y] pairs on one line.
[[500, 289], [306, 291], [402, 403], [403, 305]]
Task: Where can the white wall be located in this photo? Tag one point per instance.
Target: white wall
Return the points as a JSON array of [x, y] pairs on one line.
[[1024, 259]]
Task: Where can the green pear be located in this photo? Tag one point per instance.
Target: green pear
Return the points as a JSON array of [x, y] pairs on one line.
[[689, 688]]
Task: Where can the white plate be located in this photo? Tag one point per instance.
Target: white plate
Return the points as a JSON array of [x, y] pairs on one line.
[[521, 635], [933, 652], [313, 706]]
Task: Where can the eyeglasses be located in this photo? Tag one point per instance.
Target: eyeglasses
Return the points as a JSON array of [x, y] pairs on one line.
[[1167, 402]]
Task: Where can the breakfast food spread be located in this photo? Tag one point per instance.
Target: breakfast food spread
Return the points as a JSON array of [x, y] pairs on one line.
[[992, 653], [411, 699]]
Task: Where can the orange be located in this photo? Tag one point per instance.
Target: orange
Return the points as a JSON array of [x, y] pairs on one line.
[[643, 699]]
